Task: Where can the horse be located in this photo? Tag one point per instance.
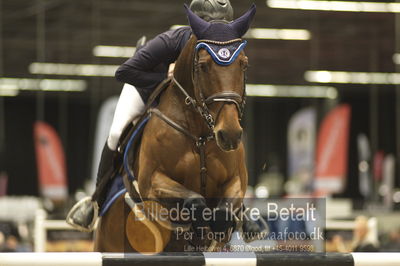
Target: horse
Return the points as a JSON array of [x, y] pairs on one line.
[[191, 151]]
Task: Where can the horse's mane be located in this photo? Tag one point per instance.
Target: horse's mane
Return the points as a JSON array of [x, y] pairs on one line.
[[184, 64]]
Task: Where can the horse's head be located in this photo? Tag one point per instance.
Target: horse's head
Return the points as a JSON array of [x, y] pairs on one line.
[[219, 75]]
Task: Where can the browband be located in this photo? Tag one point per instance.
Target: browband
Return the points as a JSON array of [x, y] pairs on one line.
[[223, 53]]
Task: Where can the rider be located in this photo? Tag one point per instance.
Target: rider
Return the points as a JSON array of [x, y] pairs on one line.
[[141, 74]]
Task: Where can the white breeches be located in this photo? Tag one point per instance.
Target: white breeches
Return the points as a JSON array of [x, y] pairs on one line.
[[130, 105]]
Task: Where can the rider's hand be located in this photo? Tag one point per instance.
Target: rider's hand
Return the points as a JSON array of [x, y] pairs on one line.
[[171, 70]]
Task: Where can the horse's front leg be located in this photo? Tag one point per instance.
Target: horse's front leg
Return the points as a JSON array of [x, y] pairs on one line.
[[232, 213], [227, 213], [191, 204], [162, 186]]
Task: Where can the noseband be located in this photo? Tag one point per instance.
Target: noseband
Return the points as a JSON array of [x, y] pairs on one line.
[[202, 105]]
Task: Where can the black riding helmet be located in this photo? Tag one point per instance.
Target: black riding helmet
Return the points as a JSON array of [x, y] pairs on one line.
[[212, 9]]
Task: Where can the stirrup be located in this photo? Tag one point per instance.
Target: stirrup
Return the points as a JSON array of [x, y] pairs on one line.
[[76, 210]]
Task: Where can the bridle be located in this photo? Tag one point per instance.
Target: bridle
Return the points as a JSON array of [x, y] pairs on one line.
[[201, 106]]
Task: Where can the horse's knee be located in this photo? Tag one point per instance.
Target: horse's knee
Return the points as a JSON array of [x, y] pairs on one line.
[[197, 207], [222, 220]]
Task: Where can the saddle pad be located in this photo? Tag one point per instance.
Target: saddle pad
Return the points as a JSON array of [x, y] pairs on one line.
[[117, 189]]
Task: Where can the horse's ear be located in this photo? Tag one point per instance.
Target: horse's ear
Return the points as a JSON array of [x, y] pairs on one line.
[[198, 25], [242, 24]]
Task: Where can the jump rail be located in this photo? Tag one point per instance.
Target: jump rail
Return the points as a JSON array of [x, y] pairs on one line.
[[197, 259], [42, 225]]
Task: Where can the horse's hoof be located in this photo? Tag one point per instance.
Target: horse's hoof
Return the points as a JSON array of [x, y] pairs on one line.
[[223, 221]]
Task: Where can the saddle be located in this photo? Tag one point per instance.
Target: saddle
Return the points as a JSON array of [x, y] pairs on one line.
[[121, 180]]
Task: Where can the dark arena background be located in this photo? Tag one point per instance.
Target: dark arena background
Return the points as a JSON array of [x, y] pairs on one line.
[[321, 121]]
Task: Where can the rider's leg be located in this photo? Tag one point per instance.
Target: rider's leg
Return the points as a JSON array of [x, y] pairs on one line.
[[129, 107]]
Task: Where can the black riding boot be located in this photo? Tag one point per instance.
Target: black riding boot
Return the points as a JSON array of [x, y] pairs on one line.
[[84, 213], [104, 174]]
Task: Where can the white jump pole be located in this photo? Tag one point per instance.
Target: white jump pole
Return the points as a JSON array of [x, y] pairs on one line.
[[39, 235], [42, 225], [376, 259], [199, 259], [52, 259]]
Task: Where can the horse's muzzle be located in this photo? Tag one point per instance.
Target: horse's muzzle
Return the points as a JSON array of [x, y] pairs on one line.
[[228, 140]]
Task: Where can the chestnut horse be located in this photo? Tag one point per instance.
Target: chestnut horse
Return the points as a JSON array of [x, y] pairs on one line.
[[191, 150]]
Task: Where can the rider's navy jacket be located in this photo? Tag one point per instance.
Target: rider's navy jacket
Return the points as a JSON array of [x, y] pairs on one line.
[[149, 65]]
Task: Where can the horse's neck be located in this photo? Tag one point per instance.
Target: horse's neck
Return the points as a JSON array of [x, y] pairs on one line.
[[173, 104], [184, 66]]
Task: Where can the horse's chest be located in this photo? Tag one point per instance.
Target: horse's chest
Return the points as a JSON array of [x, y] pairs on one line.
[[187, 170]]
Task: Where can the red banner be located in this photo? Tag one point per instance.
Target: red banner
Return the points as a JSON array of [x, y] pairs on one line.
[[332, 152], [50, 162], [3, 183], [378, 165]]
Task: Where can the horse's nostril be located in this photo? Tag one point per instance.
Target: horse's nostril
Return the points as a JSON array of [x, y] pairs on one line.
[[222, 2], [222, 135], [228, 140]]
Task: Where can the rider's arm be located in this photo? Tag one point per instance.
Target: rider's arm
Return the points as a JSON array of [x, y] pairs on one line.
[[140, 70], [149, 66]]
